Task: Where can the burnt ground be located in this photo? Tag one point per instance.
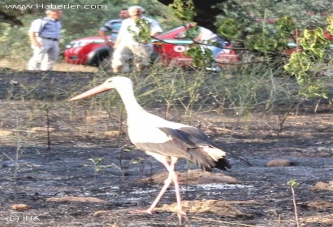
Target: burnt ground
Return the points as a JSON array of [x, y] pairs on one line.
[[80, 172]]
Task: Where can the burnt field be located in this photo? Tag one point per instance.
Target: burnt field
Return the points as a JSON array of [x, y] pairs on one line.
[[71, 164]]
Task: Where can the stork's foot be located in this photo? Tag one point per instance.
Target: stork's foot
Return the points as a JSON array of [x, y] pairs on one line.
[[182, 216], [149, 211]]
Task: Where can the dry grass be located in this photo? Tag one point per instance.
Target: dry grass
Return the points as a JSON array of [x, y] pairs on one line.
[[21, 64]]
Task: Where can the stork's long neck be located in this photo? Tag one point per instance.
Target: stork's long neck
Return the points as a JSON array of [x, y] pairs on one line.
[[132, 106]]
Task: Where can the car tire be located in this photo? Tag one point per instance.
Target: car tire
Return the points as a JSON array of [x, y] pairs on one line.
[[105, 65], [154, 57]]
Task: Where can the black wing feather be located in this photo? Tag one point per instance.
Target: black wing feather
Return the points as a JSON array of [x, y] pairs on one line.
[[196, 136], [179, 136], [194, 139], [188, 143]]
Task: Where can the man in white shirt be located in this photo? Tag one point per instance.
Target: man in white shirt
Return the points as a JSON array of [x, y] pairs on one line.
[[44, 36], [128, 38]]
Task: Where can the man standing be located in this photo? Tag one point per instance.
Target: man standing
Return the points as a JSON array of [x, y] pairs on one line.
[[44, 36], [130, 37], [112, 27]]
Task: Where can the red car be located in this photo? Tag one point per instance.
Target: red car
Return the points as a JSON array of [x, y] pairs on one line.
[[92, 50]]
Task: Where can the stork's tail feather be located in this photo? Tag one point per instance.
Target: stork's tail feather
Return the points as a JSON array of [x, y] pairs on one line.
[[208, 158], [218, 156], [223, 164]]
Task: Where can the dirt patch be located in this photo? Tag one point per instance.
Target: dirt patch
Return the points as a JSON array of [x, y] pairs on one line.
[[77, 174], [191, 177], [323, 186], [61, 66], [79, 199]]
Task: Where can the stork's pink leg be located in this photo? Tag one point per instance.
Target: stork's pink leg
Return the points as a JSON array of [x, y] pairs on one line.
[[172, 177], [167, 183], [180, 211]]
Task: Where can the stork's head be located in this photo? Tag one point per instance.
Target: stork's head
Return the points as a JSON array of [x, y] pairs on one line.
[[117, 82]]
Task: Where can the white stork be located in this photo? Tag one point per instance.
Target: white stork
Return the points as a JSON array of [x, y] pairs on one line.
[[164, 140]]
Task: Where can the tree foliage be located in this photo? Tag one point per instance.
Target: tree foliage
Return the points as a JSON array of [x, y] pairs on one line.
[[183, 10], [266, 28], [302, 64], [143, 36]]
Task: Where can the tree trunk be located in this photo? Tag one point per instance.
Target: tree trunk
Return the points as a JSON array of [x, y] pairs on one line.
[[10, 19], [206, 15]]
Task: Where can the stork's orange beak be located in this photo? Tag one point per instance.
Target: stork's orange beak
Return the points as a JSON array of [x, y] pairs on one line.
[[91, 92]]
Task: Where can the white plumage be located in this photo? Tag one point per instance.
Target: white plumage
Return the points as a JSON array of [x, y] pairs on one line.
[[165, 140]]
